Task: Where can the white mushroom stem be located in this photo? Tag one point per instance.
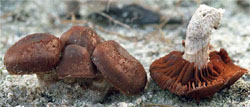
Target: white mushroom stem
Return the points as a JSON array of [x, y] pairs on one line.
[[204, 20], [47, 79]]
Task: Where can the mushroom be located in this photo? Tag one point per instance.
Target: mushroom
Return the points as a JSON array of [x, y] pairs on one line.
[[198, 72], [36, 54], [83, 36], [118, 67], [75, 63]]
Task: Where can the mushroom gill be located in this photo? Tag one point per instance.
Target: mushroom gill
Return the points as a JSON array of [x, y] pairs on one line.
[[181, 77]]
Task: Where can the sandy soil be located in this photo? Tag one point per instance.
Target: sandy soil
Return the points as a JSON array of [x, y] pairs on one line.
[[147, 43]]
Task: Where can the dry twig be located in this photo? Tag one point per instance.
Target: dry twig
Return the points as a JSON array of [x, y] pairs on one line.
[[114, 20]]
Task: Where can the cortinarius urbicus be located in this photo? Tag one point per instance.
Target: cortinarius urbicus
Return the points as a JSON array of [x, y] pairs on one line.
[[82, 36], [79, 43], [113, 66], [198, 72], [75, 62], [119, 67], [37, 54]]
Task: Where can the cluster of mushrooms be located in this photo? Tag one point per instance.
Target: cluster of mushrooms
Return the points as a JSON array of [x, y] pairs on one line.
[[79, 53], [198, 72]]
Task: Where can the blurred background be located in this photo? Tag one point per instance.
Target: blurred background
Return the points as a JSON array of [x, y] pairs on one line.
[[148, 29]]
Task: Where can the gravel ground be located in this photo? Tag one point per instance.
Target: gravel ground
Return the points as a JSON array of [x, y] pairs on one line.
[[147, 43]]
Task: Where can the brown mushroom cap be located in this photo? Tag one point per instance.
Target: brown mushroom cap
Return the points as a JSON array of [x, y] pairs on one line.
[[83, 36], [75, 62], [230, 71], [119, 67], [181, 77], [35, 53]]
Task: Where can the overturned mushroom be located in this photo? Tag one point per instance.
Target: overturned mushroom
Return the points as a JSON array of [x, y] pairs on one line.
[[121, 69], [197, 72], [37, 54]]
